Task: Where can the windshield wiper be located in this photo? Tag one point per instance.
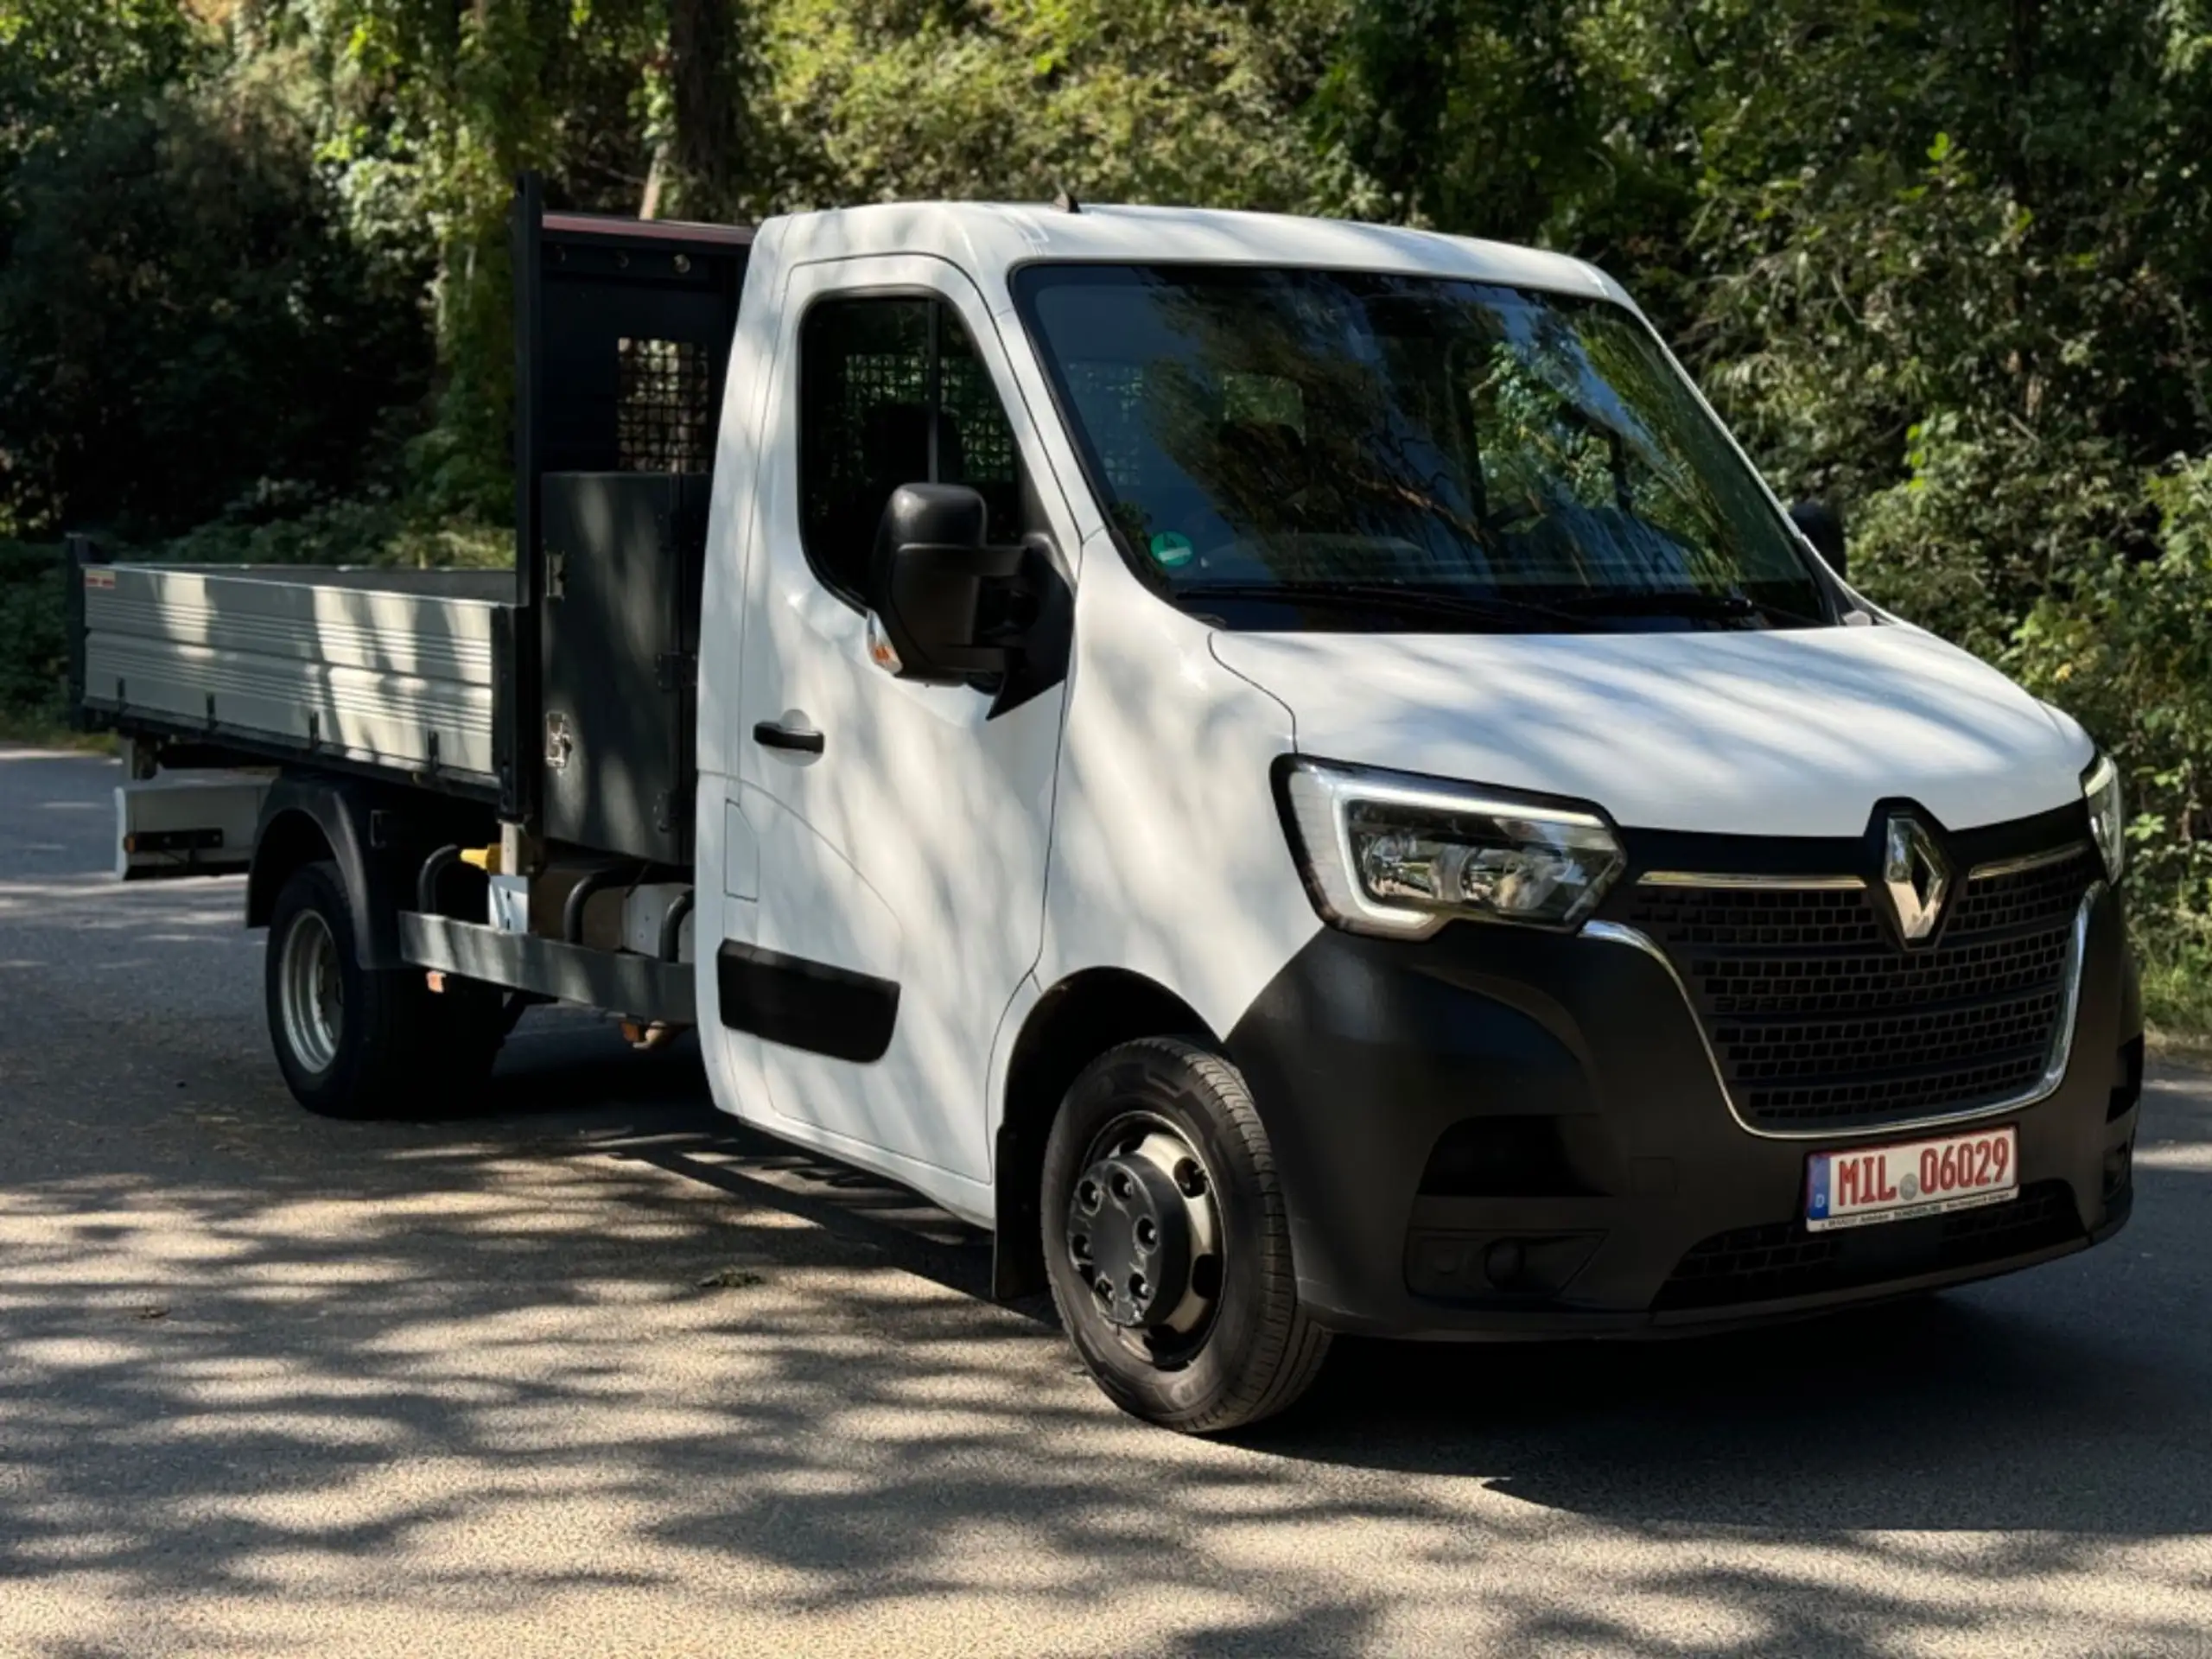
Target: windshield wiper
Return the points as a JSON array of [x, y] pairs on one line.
[[1498, 608], [1690, 602]]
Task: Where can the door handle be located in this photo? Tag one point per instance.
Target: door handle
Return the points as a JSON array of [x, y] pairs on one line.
[[773, 734]]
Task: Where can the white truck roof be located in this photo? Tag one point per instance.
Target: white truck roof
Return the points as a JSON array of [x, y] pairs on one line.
[[990, 239]]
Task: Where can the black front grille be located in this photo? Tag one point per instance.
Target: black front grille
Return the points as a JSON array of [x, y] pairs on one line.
[[1822, 1019], [1784, 1260]]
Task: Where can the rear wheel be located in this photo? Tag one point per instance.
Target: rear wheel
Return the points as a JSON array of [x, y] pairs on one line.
[[359, 1042], [1167, 1243]]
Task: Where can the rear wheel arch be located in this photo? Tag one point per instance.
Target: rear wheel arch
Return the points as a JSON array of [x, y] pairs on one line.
[[1072, 1024], [289, 839], [375, 836]]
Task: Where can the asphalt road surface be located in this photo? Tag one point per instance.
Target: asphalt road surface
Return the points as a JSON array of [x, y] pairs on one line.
[[595, 1372]]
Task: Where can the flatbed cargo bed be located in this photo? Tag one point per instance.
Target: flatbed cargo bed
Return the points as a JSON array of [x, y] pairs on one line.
[[388, 670]]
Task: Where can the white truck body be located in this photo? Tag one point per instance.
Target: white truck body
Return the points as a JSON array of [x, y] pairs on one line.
[[903, 892]]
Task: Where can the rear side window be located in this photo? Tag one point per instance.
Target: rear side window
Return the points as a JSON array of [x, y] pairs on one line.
[[892, 392]]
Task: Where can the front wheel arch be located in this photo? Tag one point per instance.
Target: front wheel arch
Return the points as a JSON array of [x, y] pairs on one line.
[[1077, 1020]]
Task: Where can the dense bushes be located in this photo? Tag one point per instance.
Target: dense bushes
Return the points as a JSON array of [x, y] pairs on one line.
[[182, 321], [2124, 641], [33, 650]]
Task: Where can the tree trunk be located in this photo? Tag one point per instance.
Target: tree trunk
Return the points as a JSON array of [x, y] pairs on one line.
[[702, 60]]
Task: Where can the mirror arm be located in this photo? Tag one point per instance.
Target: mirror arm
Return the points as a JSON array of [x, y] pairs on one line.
[[1039, 645]]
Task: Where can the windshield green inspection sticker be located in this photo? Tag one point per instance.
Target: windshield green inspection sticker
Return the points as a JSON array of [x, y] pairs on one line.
[[1170, 548]]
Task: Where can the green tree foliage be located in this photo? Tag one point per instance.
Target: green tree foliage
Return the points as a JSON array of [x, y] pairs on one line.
[[1949, 266], [432, 107], [180, 322], [65, 61], [1190, 101]]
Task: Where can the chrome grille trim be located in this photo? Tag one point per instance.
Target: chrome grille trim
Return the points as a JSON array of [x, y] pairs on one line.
[[1745, 882], [2031, 861], [1753, 883]]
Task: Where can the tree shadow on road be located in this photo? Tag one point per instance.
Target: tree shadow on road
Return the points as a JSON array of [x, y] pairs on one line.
[[599, 1341]]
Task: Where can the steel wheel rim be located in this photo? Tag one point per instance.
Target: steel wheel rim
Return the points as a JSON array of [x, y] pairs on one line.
[[310, 993], [1181, 1314]]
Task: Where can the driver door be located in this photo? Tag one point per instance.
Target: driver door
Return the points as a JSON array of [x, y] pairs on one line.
[[902, 829]]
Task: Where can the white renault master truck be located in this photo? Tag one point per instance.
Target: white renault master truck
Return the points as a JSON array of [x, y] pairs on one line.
[[1290, 769]]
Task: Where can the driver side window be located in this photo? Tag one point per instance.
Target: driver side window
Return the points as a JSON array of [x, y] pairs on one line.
[[891, 392]]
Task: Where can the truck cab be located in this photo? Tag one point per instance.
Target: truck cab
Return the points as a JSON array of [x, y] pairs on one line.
[[1290, 769]]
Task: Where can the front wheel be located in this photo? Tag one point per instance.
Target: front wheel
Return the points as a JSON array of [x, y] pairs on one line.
[[1167, 1241]]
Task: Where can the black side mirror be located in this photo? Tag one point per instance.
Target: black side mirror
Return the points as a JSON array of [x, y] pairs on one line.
[[1823, 526], [930, 573]]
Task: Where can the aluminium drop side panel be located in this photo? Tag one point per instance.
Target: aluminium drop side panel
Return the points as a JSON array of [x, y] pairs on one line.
[[391, 670]]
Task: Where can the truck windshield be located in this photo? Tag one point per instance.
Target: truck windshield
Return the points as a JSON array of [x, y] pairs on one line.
[[1322, 449]]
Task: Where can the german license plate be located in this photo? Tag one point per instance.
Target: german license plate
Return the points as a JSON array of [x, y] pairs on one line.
[[1919, 1178]]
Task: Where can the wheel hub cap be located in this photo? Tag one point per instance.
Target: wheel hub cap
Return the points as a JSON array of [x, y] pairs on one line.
[[311, 991], [1142, 1233]]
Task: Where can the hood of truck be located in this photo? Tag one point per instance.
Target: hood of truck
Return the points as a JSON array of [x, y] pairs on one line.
[[1785, 732]]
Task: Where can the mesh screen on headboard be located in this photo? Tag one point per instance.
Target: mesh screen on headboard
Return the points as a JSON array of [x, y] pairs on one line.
[[662, 416]]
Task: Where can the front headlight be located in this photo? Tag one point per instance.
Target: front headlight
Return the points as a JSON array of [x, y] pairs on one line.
[[1386, 852], [2101, 787]]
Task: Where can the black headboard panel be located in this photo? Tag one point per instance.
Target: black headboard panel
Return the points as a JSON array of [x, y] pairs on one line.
[[622, 336]]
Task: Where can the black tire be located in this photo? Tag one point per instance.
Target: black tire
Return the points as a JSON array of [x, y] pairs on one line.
[[360, 1043], [1250, 1351]]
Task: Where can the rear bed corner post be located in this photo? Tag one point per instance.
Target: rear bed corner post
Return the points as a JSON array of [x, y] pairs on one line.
[[517, 703], [82, 550]]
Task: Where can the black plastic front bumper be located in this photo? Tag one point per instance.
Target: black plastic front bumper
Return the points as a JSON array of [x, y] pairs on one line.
[[1498, 1132]]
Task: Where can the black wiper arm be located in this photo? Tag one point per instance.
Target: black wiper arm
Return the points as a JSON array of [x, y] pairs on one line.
[[1679, 601], [1657, 601], [1489, 607]]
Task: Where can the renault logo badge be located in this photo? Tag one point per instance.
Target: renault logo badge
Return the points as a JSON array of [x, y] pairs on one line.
[[1916, 877]]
